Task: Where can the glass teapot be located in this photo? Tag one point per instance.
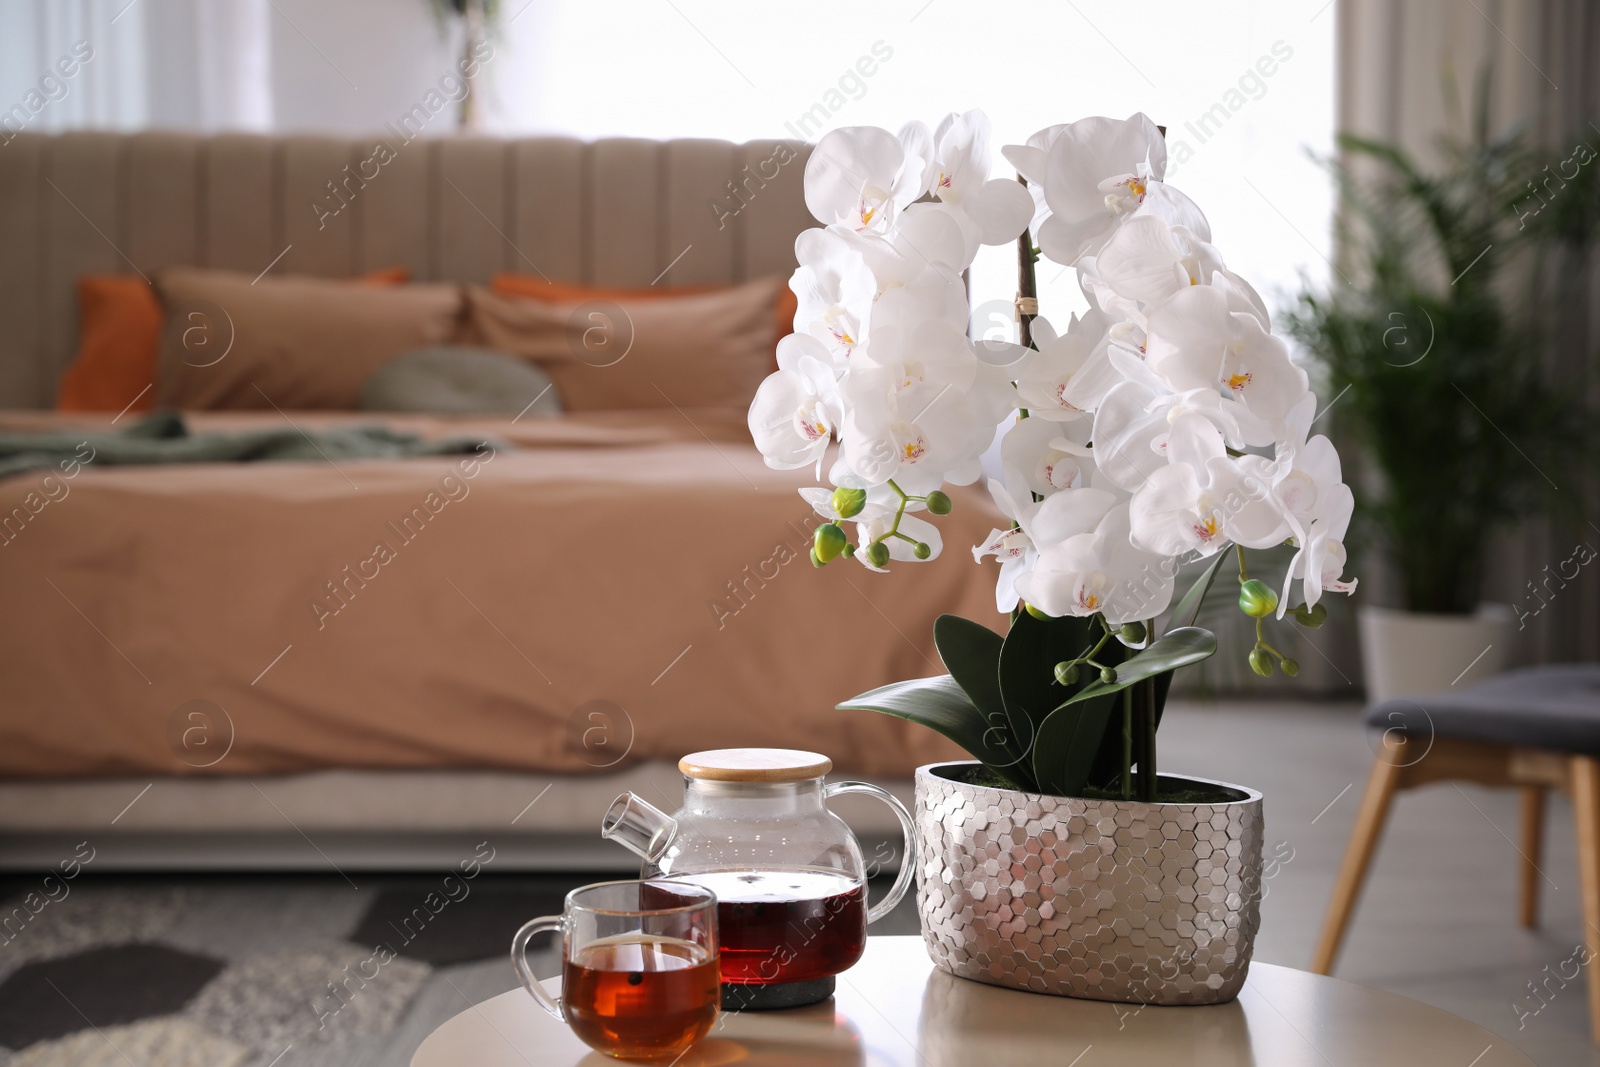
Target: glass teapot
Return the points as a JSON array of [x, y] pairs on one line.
[[788, 873]]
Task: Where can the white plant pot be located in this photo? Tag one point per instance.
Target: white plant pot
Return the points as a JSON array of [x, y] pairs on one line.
[[1407, 653]]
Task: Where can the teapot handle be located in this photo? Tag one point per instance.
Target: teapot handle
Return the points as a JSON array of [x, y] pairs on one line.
[[908, 864]]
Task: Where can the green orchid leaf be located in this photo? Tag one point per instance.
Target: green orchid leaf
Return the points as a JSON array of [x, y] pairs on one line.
[[1028, 660], [941, 704], [1188, 608], [1069, 743], [971, 652], [1173, 649]]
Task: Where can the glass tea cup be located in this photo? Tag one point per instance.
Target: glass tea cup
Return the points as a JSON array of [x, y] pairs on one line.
[[640, 974]]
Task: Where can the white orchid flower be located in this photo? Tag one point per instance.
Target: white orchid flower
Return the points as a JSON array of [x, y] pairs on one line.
[[1014, 550], [1203, 499], [1040, 524], [1149, 260], [918, 434], [1070, 374], [917, 349], [957, 174], [1132, 424], [796, 410], [861, 177], [1308, 467], [927, 248], [1032, 161], [921, 408], [1308, 485], [1139, 414], [1049, 456], [1196, 341], [1100, 572], [1320, 561], [1095, 173], [834, 289]]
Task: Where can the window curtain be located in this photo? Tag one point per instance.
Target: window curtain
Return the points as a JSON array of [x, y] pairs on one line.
[[199, 65], [1407, 72]]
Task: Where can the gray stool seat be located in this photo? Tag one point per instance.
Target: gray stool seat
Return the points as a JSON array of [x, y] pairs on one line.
[[1555, 708]]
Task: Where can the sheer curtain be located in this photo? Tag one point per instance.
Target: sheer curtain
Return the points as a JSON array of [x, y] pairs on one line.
[[1397, 61], [177, 64]]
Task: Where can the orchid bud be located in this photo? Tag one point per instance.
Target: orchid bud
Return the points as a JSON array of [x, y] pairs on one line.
[[1290, 667], [1311, 617], [828, 542], [1257, 599], [849, 549], [1067, 672], [1261, 662], [847, 503], [1037, 613], [815, 562], [938, 503], [878, 554], [921, 550], [1108, 675], [1132, 632]]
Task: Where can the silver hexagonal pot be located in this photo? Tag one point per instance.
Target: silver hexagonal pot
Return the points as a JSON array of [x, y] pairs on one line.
[[1102, 899]]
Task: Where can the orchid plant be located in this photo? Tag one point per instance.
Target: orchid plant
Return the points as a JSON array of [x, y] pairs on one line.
[[1165, 424]]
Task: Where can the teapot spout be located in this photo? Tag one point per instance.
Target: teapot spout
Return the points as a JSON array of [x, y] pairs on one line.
[[640, 826]]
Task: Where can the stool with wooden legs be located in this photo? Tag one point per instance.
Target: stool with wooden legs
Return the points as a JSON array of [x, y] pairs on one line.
[[1534, 729]]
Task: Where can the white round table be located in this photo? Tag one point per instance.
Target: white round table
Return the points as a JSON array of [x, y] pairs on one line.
[[894, 1008]]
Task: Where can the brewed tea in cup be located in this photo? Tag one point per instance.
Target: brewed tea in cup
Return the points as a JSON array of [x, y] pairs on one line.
[[640, 974]]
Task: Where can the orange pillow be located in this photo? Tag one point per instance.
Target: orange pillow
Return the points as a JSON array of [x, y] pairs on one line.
[[119, 326], [538, 288], [119, 331]]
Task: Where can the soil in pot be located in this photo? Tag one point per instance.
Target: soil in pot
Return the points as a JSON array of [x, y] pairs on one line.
[[1169, 789]]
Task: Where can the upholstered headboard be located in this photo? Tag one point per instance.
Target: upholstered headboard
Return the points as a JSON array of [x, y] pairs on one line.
[[611, 212]]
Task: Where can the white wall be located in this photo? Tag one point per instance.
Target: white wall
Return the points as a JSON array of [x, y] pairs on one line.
[[729, 68]]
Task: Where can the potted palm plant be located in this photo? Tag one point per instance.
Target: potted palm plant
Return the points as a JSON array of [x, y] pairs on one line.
[[1435, 347], [1165, 425], [478, 19]]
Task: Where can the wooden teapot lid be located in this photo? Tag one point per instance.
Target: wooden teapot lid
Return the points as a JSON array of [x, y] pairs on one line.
[[754, 765]]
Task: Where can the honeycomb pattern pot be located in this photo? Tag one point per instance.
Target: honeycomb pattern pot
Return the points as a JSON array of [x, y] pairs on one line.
[[1102, 899]]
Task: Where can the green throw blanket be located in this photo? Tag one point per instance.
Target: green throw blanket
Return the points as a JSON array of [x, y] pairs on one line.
[[162, 437]]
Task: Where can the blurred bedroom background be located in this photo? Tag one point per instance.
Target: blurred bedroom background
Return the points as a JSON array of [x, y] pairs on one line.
[[176, 139]]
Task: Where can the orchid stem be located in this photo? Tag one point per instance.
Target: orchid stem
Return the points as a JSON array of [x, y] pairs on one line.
[[1027, 281], [1147, 754], [1127, 743], [899, 513]]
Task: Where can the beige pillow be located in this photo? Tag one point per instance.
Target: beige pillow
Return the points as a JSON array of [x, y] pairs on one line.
[[296, 343], [705, 350]]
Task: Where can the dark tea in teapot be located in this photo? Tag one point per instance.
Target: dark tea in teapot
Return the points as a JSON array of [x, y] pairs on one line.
[[786, 925], [788, 874]]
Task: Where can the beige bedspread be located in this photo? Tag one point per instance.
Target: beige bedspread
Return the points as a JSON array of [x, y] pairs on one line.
[[611, 587]]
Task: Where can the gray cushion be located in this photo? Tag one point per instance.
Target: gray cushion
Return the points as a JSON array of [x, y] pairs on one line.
[[455, 380], [1555, 708]]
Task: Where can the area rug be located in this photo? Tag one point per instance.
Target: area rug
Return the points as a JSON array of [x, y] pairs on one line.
[[265, 971]]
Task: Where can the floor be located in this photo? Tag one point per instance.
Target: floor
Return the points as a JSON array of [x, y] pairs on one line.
[[244, 960], [1438, 920]]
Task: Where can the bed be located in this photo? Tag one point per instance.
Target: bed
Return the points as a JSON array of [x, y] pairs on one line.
[[206, 666]]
